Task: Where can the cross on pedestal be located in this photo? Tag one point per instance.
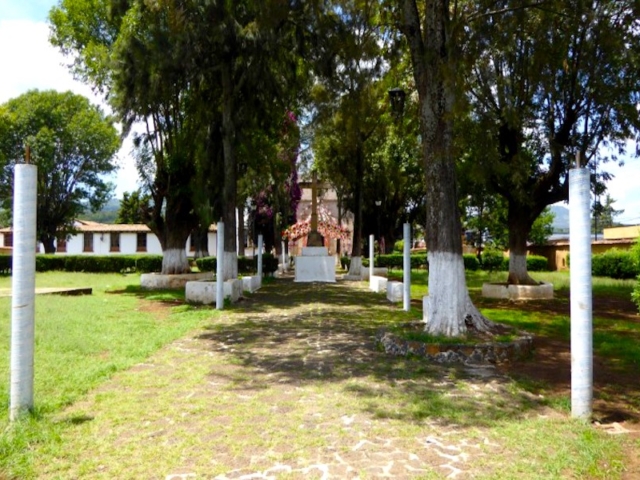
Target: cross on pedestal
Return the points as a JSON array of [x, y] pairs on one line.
[[314, 239]]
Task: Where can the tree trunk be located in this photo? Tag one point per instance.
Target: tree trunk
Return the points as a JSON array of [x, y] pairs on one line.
[[519, 222], [355, 267], [449, 309], [241, 230], [174, 255], [48, 243], [356, 247], [230, 174], [200, 241], [173, 231]]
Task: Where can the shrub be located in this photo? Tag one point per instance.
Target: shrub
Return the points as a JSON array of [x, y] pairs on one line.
[[614, 264], [247, 265], [471, 262], [492, 260], [207, 264], [419, 260], [149, 263], [345, 262], [635, 295], [269, 263], [5, 264], [391, 261], [398, 246], [537, 263], [49, 262]]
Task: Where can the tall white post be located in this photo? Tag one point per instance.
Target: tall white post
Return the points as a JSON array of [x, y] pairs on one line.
[[371, 251], [406, 268], [581, 301], [220, 268], [260, 248], [23, 289]]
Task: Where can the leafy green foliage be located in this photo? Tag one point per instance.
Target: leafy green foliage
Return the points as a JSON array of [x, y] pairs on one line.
[[615, 263], [73, 144], [492, 260], [471, 262], [537, 263], [133, 207], [543, 85]]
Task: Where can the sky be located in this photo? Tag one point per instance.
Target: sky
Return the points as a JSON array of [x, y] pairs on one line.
[[28, 61]]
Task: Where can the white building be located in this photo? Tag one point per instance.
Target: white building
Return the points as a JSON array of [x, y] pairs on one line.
[[95, 238]]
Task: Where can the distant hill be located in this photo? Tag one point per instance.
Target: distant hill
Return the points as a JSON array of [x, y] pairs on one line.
[[561, 220], [108, 214]]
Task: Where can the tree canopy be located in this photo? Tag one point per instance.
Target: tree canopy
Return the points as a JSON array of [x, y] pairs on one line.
[[72, 142], [545, 82]]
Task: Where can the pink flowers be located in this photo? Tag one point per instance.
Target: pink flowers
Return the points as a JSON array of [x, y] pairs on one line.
[[327, 226]]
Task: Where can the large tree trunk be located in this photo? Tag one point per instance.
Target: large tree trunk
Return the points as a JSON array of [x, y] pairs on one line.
[[241, 230], [200, 241], [355, 268], [449, 309], [230, 174], [48, 243], [520, 223]]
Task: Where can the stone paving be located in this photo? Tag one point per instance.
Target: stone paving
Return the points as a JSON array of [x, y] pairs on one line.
[[284, 387]]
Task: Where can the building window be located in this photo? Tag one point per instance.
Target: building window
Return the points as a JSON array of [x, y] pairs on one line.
[[141, 244], [88, 242], [61, 245], [8, 239], [114, 242]]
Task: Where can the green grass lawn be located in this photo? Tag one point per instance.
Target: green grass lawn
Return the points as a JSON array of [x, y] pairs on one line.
[[266, 395], [80, 341]]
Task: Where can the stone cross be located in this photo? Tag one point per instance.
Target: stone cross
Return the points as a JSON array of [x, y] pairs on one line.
[[314, 239], [314, 202]]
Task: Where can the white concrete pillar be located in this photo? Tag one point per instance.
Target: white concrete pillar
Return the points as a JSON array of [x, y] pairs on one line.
[[406, 267], [284, 258], [23, 289], [581, 301], [220, 268], [260, 248]]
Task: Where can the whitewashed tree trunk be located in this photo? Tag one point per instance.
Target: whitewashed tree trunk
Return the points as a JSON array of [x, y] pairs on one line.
[[230, 264], [450, 311], [174, 261], [355, 267], [427, 29], [518, 274], [23, 289]]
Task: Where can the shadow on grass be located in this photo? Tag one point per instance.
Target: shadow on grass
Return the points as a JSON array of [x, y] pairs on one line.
[[317, 334]]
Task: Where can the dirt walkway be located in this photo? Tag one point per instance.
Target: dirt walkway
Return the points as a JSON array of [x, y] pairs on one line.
[[290, 385]]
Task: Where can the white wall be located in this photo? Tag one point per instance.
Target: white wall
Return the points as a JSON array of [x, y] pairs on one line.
[[128, 244]]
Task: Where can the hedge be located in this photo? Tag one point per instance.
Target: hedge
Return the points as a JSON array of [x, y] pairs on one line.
[[90, 263], [619, 264], [492, 260]]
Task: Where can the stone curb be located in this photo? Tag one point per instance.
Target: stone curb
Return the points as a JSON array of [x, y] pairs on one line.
[[488, 353]]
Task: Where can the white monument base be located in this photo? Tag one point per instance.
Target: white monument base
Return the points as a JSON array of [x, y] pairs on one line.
[[204, 292], [394, 291], [378, 284], [251, 284], [315, 265]]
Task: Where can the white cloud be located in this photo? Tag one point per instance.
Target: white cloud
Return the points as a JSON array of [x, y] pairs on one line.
[[624, 188], [29, 62]]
